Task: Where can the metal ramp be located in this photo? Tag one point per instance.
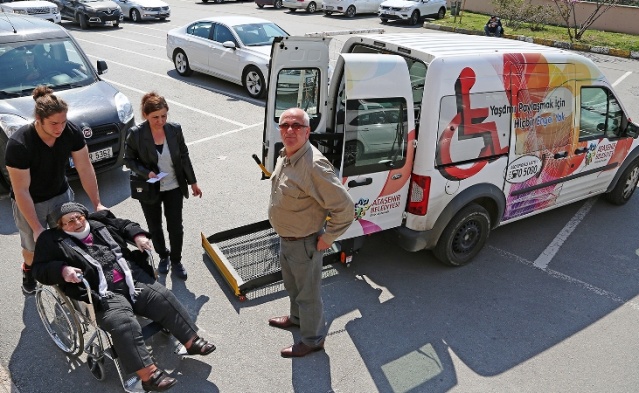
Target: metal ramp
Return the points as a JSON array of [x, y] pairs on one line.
[[248, 256]]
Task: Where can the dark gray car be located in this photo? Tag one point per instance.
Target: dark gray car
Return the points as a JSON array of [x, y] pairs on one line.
[[90, 12], [103, 113]]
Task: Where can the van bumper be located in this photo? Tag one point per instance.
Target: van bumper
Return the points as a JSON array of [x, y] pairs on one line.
[[411, 240]]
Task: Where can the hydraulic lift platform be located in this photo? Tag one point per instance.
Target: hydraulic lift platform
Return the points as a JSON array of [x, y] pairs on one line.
[[248, 256]]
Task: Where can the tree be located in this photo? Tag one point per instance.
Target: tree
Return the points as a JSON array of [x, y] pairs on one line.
[[567, 13]]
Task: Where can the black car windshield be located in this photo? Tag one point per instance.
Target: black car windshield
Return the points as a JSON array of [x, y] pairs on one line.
[[259, 34], [55, 63]]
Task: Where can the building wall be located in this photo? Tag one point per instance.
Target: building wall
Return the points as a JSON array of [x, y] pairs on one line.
[[621, 19]]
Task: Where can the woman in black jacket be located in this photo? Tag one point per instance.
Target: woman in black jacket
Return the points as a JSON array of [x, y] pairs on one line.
[[122, 285], [156, 148]]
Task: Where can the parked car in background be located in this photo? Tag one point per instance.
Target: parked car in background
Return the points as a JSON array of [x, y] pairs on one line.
[[233, 48], [277, 4], [139, 10], [35, 52], [411, 10], [90, 12], [350, 7], [293, 5], [39, 9]]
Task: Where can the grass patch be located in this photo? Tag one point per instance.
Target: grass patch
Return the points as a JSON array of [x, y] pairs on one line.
[[475, 21]]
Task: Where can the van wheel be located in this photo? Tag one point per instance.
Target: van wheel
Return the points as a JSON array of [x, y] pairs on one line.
[[441, 13], [84, 23], [625, 186], [253, 82], [414, 18], [350, 11], [464, 236], [182, 63]]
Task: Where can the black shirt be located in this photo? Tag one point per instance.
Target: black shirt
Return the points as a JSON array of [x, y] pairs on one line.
[[47, 165]]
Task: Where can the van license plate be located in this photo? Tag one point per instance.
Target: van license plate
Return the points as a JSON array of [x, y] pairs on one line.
[[95, 156]]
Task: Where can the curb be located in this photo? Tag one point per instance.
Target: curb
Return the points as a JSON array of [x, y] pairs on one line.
[[602, 50]]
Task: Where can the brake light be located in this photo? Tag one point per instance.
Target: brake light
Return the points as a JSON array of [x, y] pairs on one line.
[[418, 195]]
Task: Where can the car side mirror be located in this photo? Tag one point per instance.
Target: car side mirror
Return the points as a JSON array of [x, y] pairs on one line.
[[102, 67], [229, 44], [632, 130]]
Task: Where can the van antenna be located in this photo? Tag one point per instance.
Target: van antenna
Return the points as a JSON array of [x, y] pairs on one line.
[[9, 20]]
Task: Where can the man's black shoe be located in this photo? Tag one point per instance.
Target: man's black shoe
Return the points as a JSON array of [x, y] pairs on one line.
[[28, 282], [163, 266]]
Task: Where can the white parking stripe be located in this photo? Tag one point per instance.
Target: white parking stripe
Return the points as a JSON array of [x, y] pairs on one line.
[[117, 37], [564, 277], [208, 138], [120, 49], [624, 76], [547, 255], [209, 114]]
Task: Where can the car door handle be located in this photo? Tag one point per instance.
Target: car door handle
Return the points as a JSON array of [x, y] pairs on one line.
[[581, 151], [562, 154], [356, 183]]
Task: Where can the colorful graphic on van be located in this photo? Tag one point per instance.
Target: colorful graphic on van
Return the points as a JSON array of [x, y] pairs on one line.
[[469, 123]]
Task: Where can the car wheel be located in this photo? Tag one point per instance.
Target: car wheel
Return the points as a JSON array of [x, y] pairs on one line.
[[84, 23], [311, 7], [328, 13], [4, 174], [260, 6], [253, 82], [182, 63], [414, 18], [384, 20], [464, 236], [135, 15], [442, 13], [350, 11], [292, 10], [353, 151], [205, 1], [116, 24], [277, 4], [218, 1], [626, 185]]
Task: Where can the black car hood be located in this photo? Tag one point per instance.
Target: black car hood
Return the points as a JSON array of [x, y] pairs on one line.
[[89, 105]]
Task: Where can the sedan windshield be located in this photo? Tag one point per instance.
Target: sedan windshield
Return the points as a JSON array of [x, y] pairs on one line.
[[55, 63], [259, 34]]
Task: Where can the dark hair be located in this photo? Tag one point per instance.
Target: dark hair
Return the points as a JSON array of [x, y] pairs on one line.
[[152, 102], [47, 103]]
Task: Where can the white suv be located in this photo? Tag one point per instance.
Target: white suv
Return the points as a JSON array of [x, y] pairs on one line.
[[411, 10], [40, 9]]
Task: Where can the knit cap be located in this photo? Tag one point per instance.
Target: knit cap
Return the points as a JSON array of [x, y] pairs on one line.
[[68, 207]]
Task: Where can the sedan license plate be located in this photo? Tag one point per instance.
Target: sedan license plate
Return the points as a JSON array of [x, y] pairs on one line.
[[97, 155]]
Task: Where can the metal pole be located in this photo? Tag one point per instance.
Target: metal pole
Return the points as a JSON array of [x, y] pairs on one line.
[[461, 14]]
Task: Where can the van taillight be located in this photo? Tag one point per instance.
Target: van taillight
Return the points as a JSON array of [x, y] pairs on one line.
[[418, 195]]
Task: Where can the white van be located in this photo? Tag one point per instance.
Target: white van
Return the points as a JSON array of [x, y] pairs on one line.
[[470, 132]]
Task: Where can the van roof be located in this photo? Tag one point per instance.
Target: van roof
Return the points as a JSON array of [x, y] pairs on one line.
[[27, 28], [445, 45]]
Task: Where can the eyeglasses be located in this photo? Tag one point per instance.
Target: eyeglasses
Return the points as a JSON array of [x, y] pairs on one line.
[[72, 219], [294, 126]]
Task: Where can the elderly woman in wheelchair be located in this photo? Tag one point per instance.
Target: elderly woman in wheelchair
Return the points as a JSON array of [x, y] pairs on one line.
[[92, 248]]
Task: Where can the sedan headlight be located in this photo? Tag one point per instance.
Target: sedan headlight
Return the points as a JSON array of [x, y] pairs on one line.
[[11, 123], [124, 107], [21, 12], [147, 8]]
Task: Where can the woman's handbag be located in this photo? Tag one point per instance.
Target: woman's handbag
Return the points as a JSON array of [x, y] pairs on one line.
[[144, 191]]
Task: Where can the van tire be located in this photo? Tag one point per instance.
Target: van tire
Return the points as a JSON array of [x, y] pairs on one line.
[[626, 185], [464, 236]]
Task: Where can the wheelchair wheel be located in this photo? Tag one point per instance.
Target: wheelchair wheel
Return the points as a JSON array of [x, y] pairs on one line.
[[59, 319], [95, 361]]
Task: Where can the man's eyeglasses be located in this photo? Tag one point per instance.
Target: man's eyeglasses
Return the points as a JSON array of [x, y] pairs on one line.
[[72, 219], [294, 126]]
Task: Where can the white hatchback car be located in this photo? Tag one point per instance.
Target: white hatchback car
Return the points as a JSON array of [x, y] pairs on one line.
[[234, 48], [40, 9], [139, 10], [350, 7], [411, 10]]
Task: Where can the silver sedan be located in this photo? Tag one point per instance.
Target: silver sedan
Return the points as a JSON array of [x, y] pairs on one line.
[[139, 10]]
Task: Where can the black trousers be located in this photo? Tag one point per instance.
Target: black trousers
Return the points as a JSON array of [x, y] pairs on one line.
[[173, 202], [117, 316]]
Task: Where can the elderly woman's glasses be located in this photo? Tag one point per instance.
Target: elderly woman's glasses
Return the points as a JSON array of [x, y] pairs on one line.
[[73, 219]]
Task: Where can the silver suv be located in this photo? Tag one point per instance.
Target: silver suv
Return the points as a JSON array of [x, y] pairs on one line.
[[43, 53]]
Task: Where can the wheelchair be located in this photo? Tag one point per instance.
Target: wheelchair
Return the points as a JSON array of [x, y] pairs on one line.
[[67, 321]]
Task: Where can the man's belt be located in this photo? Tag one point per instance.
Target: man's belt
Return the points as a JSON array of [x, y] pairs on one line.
[[292, 239]]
